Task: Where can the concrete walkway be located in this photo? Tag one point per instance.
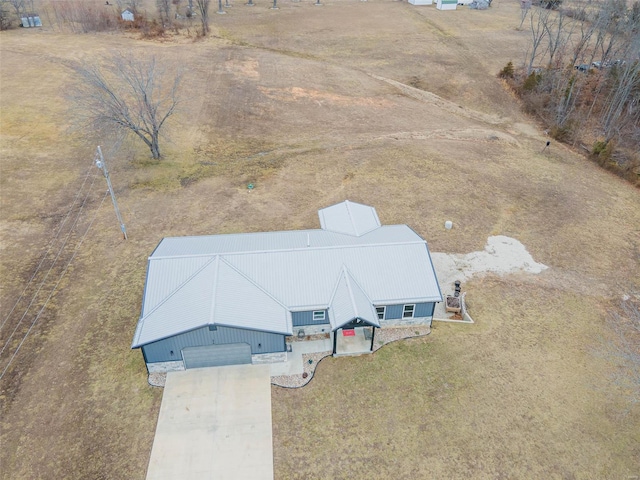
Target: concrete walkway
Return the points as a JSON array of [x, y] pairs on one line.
[[214, 423], [293, 365]]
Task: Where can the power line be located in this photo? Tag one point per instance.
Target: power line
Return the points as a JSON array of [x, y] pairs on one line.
[[55, 286], [48, 249], [51, 267]]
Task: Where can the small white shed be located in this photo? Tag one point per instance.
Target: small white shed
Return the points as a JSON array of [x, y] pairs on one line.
[[421, 2], [127, 15]]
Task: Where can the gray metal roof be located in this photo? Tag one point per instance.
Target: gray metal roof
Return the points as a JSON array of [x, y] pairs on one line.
[[350, 218], [349, 301], [255, 280], [240, 243]]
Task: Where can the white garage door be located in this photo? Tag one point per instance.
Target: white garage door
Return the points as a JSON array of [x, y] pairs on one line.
[[217, 355]]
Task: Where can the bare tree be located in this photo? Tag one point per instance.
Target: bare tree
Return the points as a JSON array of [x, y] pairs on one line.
[[538, 21], [525, 7], [128, 94], [19, 7], [203, 11], [623, 103], [164, 10], [132, 5], [613, 30]]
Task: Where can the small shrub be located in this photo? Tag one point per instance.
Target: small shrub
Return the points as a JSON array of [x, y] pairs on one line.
[[508, 71], [602, 153], [562, 133], [599, 147], [531, 82]]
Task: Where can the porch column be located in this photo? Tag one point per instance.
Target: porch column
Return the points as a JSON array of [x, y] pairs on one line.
[[373, 335], [335, 338]]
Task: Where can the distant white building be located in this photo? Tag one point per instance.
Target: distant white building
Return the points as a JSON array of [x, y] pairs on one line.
[[127, 15], [30, 20]]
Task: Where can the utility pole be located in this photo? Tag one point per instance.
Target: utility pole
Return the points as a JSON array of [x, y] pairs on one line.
[[100, 163]]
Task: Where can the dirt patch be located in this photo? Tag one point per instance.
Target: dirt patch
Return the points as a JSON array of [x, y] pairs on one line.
[[296, 94]]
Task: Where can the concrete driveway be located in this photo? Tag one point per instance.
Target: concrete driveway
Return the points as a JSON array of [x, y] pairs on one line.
[[214, 423]]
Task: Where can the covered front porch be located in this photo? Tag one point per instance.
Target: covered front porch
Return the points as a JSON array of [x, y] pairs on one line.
[[354, 341], [353, 318]]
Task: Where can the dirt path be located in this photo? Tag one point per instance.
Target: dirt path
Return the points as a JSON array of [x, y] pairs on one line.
[[451, 107]]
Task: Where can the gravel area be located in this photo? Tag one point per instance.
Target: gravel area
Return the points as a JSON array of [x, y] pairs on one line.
[[157, 379], [391, 334], [307, 338], [300, 380]]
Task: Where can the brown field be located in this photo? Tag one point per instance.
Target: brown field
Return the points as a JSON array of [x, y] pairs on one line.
[[379, 102]]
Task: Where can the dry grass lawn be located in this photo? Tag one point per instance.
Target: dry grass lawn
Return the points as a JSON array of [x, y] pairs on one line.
[[379, 102]]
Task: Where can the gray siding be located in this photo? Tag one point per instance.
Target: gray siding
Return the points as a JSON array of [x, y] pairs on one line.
[[424, 309], [261, 342], [301, 319], [394, 312]]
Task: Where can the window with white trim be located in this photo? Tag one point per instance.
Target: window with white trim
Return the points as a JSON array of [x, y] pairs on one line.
[[381, 311], [408, 310], [318, 316]]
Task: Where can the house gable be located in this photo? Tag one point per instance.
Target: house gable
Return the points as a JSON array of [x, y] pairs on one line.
[[350, 302]]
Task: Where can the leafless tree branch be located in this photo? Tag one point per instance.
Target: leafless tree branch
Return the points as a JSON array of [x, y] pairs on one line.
[[127, 94]]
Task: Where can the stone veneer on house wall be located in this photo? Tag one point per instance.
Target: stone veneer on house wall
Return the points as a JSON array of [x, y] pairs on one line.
[[312, 329], [274, 357], [400, 322], [162, 367]]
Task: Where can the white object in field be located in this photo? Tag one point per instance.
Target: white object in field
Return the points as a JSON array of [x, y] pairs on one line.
[[448, 224], [447, 4], [421, 2], [128, 15]]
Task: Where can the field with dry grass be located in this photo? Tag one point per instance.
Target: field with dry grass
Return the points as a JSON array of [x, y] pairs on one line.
[[378, 102]]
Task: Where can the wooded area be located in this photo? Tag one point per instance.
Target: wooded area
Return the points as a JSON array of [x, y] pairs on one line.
[[581, 77]]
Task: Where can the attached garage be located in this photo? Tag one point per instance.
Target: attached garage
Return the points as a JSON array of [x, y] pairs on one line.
[[217, 355]]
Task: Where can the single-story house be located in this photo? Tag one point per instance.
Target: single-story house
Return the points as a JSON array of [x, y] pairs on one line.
[[227, 299]]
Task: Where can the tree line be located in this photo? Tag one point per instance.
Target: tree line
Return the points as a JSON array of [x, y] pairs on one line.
[[80, 16], [581, 77]]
